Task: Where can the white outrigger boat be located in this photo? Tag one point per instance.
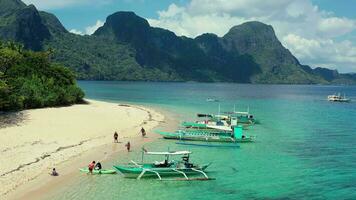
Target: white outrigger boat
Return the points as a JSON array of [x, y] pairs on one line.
[[165, 168], [338, 98], [224, 120]]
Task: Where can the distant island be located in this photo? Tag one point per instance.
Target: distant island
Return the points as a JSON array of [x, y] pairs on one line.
[[126, 47]]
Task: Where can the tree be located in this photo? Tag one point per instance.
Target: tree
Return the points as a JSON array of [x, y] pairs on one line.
[[30, 80], [8, 58]]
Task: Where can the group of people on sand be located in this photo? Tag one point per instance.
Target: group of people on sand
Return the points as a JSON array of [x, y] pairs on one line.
[[128, 144], [97, 166]]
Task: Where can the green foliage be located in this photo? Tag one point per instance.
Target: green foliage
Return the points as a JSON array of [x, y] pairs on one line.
[[30, 80], [95, 58]]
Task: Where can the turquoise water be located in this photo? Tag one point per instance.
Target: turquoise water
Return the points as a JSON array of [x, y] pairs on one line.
[[305, 149]]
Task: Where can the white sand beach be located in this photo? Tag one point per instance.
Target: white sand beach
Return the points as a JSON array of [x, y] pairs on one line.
[[45, 138]]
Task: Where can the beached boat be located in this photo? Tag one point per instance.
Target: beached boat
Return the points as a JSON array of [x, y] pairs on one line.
[[95, 171], [166, 168], [338, 98], [208, 135]]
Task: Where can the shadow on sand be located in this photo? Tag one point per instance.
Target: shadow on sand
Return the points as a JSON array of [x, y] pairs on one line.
[[9, 119]]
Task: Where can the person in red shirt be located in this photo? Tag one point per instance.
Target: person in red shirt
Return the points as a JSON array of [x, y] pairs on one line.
[[91, 167]]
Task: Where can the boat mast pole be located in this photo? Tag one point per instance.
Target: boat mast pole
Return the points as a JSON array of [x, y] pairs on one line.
[[142, 155], [167, 156]]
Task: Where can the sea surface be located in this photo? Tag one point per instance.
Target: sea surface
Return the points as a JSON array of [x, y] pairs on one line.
[[305, 148]]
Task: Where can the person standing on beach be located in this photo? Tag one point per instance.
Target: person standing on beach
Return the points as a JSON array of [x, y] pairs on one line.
[[143, 132], [116, 136], [128, 146], [91, 167]]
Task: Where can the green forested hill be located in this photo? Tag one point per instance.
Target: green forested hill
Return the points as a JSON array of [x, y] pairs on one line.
[[29, 80], [128, 48], [276, 62]]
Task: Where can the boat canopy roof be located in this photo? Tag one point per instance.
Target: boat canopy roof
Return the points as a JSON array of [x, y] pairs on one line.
[[221, 116], [168, 153], [204, 115], [194, 124], [237, 113], [223, 128]]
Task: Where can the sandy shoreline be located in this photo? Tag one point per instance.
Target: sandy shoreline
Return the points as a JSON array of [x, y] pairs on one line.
[[53, 137]]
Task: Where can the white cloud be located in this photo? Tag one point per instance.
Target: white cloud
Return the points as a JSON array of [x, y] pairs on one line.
[[91, 29], [323, 52], [172, 11], [310, 33], [75, 31], [336, 26]]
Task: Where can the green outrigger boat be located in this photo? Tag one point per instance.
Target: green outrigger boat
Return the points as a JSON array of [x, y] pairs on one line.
[[95, 171], [208, 135], [225, 121], [228, 119], [171, 168]]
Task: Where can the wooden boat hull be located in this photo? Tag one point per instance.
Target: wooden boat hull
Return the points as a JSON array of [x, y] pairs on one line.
[[205, 138], [214, 145], [341, 101], [132, 171], [208, 139], [103, 171]]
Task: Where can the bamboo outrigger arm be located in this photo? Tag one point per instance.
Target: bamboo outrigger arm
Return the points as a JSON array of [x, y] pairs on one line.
[[206, 176], [135, 163], [144, 171], [185, 175]]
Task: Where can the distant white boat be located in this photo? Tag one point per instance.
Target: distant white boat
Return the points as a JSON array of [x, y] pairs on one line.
[[211, 100], [338, 98]]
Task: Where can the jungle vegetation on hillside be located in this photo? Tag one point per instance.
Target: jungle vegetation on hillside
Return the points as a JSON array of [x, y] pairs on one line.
[[30, 80]]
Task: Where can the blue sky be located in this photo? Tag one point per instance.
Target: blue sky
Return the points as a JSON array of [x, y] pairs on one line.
[[342, 8], [81, 15], [318, 32]]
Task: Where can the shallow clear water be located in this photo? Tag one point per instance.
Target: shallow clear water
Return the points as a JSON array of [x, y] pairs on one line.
[[305, 149]]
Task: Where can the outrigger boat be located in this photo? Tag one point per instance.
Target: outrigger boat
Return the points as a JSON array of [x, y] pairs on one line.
[[338, 98], [165, 168], [212, 100], [208, 135], [226, 120], [238, 117], [209, 144], [206, 126], [95, 171]]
